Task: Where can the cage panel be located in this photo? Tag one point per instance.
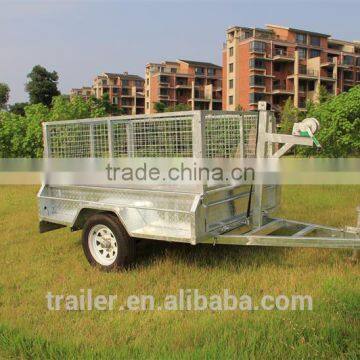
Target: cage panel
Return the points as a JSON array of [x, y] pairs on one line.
[[222, 135]]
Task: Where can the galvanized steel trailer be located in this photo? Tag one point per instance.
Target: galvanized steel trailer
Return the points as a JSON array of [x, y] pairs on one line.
[[112, 217]]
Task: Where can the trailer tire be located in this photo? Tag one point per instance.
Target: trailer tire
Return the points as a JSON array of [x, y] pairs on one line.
[[106, 243]]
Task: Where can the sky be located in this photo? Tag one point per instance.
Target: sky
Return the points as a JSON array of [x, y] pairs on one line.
[[80, 39]]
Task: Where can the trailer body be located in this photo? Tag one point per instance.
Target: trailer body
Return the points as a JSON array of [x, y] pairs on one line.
[[229, 214]]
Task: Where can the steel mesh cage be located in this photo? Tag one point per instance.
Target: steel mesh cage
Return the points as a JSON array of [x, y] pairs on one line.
[[166, 137], [230, 136], [220, 135]]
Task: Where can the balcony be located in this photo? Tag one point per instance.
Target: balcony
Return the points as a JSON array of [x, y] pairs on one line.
[[283, 55], [281, 89], [328, 77], [257, 47], [164, 84], [169, 71], [306, 74], [126, 94], [164, 80], [182, 86], [345, 64], [349, 80], [199, 72], [330, 62], [164, 96], [257, 86]]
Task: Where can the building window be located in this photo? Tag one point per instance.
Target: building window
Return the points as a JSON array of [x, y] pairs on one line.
[[358, 61], [138, 83], [257, 46], [231, 67], [199, 82], [302, 53], [280, 50], [231, 100], [257, 64], [348, 75], [300, 38], [147, 81], [199, 71], [147, 93], [125, 83], [231, 84], [257, 80], [115, 100], [302, 86], [211, 72], [348, 60], [311, 85], [115, 90], [173, 70], [277, 67], [255, 97], [231, 51], [314, 53], [315, 40], [164, 79], [147, 105]]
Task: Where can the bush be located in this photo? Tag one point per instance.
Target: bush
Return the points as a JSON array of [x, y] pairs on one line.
[[21, 136], [159, 107], [289, 116], [178, 107], [339, 119]]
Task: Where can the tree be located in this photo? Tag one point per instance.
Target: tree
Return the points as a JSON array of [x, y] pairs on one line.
[[21, 135], [339, 119], [323, 95], [289, 115], [159, 107], [42, 85], [4, 95], [178, 107], [111, 109], [18, 108]]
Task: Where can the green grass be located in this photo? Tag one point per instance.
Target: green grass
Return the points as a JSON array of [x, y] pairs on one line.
[[33, 264]]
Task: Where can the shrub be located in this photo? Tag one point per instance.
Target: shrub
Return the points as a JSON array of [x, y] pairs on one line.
[[21, 136], [339, 119]]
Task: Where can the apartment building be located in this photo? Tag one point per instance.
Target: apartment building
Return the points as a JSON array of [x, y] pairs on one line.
[[195, 83], [278, 62], [125, 91], [85, 92]]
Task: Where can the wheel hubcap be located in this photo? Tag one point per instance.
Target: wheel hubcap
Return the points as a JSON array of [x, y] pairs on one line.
[[102, 245]]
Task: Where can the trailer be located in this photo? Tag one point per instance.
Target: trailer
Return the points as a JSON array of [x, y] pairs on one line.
[[112, 218]]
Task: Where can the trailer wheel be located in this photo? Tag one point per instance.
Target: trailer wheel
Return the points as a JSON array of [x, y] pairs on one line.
[[106, 243]]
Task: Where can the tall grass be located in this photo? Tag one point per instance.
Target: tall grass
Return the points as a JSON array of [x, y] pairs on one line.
[[33, 264]]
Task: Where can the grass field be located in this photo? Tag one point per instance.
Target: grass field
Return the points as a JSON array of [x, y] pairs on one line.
[[33, 264]]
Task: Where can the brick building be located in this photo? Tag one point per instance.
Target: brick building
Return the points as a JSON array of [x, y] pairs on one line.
[[125, 91], [85, 92], [195, 83], [278, 62]]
